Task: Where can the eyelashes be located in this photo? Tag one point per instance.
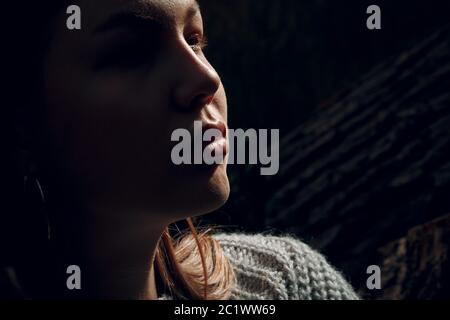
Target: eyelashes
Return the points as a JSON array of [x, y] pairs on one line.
[[197, 42]]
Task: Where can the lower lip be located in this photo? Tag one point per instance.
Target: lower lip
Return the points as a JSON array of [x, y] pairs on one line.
[[217, 146]]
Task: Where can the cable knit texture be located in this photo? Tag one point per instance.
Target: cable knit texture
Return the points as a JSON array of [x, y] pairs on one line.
[[271, 267]]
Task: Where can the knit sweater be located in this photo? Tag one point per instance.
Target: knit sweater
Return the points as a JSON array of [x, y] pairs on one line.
[[271, 267]]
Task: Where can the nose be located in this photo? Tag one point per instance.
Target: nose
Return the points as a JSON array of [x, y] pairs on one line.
[[197, 81]]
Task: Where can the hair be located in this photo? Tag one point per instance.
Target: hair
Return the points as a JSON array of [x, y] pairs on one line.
[[200, 267], [190, 264]]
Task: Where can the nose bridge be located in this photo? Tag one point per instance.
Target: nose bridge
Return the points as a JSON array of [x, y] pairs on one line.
[[196, 81]]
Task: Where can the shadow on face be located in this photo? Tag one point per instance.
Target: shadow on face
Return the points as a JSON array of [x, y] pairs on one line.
[[116, 90]]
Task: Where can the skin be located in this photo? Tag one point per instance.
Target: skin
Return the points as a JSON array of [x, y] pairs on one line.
[[114, 95]]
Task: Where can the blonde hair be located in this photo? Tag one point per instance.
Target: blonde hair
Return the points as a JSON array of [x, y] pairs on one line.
[[194, 266]]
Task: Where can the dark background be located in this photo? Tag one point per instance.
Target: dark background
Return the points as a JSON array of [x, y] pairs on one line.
[[363, 117], [281, 59]]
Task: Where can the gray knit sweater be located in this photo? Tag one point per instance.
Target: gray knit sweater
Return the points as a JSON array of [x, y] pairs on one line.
[[280, 268]]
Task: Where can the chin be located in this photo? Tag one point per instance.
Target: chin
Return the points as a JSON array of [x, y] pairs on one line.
[[202, 193], [215, 192]]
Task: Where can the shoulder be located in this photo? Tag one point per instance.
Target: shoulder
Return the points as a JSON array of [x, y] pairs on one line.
[[281, 267]]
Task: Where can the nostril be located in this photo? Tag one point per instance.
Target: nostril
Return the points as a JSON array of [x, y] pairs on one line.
[[201, 101], [196, 86], [208, 99]]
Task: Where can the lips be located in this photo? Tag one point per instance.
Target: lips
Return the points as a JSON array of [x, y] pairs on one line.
[[216, 145], [217, 125]]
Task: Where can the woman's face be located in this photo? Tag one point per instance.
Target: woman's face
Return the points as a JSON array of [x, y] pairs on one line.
[[117, 89]]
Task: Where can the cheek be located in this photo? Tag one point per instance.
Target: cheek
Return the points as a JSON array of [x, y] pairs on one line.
[[110, 127]]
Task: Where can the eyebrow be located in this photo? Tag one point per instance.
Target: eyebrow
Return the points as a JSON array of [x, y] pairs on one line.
[[145, 15]]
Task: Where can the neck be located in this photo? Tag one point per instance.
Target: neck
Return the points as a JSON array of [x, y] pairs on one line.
[[115, 250]]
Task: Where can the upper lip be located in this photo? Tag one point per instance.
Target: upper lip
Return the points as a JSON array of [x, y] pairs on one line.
[[219, 125]]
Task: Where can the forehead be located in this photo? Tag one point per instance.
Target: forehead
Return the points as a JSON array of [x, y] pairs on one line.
[[167, 11]]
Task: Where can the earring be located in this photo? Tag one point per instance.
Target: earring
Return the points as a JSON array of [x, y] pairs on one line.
[[31, 187]]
